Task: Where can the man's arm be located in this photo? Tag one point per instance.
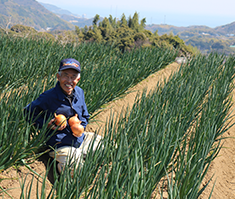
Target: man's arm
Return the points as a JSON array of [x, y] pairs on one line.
[[36, 113]]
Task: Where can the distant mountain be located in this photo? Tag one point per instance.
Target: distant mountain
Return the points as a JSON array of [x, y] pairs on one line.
[[226, 29], [221, 32], [206, 39], [30, 13], [57, 10], [66, 15], [167, 29]]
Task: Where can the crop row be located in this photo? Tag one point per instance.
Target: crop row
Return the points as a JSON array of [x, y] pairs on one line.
[[28, 67], [164, 144], [106, 73]]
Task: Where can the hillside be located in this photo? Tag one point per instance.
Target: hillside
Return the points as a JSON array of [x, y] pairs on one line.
[[57, 10], [206, 39], [29, 13], [226, 29], [66, 15], [167, 29], [190, 31]]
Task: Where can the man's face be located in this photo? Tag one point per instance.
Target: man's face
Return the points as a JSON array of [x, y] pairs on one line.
[[68, 80]]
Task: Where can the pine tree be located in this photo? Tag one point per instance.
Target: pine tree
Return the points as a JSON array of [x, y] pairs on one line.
[[113, 21], [143, 24], [96, 19], [123, 20]]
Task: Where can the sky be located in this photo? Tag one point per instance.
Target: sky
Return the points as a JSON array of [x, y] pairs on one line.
[[210, 13]]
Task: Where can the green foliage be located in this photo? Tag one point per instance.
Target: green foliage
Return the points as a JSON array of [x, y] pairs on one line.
[[124, 31], [96, 19], [176, 42], [22, 29], [143, 23], [97, 37], [163, 145], [28, 67], [123, 20], [26, 32], [113, 22], [125, 44], [171, 134], [207, 44], [89, 35], [133, 22], [140, 36], [128, 34], [79, 33], [148, 33], [218, 46]]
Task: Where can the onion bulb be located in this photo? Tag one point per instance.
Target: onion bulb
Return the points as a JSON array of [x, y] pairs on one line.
[[75, 125], [60, 120]]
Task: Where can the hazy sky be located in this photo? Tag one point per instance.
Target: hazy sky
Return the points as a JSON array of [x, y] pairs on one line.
[[211, 13]]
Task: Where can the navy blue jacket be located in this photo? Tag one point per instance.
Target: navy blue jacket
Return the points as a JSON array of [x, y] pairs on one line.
[[55, 101]]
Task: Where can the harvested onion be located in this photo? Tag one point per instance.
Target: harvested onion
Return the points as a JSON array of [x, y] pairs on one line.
[[75, 125], [74, 120], [60, 120]]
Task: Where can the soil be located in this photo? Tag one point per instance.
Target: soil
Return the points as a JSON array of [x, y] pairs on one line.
[[222, 168]]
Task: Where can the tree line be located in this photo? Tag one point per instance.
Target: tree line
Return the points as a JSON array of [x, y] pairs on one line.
[[124, 34], [129, 33]]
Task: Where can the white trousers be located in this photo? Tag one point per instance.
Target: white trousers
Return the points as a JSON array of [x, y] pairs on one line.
[[75, 155]]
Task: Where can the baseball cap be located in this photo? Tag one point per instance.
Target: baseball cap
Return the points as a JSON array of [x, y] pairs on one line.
[[70, 63]]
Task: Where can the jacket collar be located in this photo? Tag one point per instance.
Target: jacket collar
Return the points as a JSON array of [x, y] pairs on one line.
[[60, 92]]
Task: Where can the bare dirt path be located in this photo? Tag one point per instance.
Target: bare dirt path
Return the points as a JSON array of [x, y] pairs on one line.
[[222, 167]]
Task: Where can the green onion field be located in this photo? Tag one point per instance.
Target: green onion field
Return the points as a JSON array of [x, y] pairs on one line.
[[161, 146]]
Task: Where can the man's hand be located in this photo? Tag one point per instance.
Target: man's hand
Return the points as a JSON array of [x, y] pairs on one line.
[[52, 125]]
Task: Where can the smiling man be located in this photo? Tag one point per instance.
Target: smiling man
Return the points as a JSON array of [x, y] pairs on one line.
[[68, 99]]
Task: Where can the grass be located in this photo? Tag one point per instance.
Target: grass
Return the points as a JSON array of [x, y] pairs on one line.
[[172, 133]]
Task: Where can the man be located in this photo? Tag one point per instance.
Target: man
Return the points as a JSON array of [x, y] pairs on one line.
[[68, 99]]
